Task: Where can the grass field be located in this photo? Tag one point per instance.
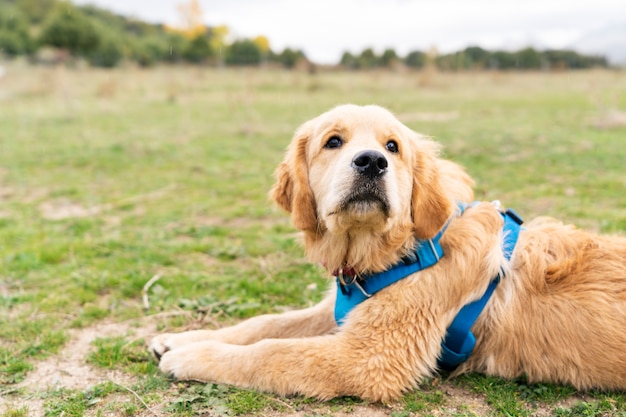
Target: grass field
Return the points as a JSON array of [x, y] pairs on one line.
[[109, 179]]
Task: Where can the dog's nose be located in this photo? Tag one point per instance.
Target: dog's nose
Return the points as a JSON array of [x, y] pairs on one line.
[[372, 164]]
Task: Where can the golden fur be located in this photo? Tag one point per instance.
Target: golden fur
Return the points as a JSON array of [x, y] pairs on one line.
[[559, 314]]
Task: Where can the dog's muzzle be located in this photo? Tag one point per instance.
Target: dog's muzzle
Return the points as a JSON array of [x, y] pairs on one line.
[[367, 190]]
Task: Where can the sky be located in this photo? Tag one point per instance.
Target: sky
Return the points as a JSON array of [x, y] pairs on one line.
[[324, 29]]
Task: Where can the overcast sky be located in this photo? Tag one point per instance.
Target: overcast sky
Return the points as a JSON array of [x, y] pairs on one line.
[[324, 29]]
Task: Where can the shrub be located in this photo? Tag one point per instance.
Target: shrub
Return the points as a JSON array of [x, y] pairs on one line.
[[415, 59], [69, 28], [198, 50], [290, 57], [110, 51], [243, 52], [147, 51], [14, 36]]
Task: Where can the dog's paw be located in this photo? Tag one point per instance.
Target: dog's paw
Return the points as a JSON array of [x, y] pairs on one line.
[[172, 341], [162, 344], [176, 363], [203, 361]]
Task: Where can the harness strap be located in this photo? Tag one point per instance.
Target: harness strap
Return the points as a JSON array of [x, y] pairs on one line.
[[353, 289], [459, 342]]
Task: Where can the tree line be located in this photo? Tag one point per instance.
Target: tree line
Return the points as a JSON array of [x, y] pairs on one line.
[[105, 39], [475, 58]]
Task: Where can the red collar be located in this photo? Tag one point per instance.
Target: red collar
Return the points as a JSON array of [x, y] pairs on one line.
[[346, 271]]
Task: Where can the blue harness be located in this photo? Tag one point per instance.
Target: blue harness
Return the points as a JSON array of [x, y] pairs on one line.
[[459, 341]]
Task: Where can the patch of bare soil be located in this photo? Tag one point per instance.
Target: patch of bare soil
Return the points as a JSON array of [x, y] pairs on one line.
[[64, 209], [69, 369], [543, 410], [60, 209], [460, 400], [610, 120]]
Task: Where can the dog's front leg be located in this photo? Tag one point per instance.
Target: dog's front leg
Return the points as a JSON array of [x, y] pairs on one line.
[[323, 367], [313, 321]]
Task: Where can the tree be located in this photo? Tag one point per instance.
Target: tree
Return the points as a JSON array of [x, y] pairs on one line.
[[528, 58], [388, 58], [147, 51], [503, 60], [174, 47], [348, 61], [568, 59], [36, 11], [476, 57], [14, 36], [243, 52], [198, 50], [68, 28], [367, 59], [263, 44], [191, 26], [290, 57], [219, 34], [415, 59], [110, 50], [118, 23], [191, 19]]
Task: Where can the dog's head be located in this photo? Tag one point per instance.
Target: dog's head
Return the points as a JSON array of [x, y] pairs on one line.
[[358, 169]]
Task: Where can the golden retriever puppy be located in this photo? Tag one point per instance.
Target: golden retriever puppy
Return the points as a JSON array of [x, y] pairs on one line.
[[366, 191]]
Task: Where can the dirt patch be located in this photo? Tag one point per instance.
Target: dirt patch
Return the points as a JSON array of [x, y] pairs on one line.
[[65, 209], [61, 209], [610, 120], [460, 400], [68, 369]]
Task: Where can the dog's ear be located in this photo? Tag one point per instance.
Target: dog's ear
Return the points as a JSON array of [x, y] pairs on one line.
[[430, 205], [291, 190], [455, 181]]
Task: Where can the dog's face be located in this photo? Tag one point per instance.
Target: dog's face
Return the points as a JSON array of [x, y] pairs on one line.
[[359, 168], [358, 163]]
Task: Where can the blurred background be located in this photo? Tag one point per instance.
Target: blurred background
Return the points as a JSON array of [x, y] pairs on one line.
[[449, 34]]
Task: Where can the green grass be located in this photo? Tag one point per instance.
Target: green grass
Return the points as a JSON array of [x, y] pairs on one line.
[[118, 353], [108, 178]]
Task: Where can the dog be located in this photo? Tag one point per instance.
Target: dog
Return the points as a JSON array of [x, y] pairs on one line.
[[365, 190]]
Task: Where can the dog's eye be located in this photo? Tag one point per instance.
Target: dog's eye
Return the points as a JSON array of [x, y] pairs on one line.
[[392, 146], [333, 142]]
